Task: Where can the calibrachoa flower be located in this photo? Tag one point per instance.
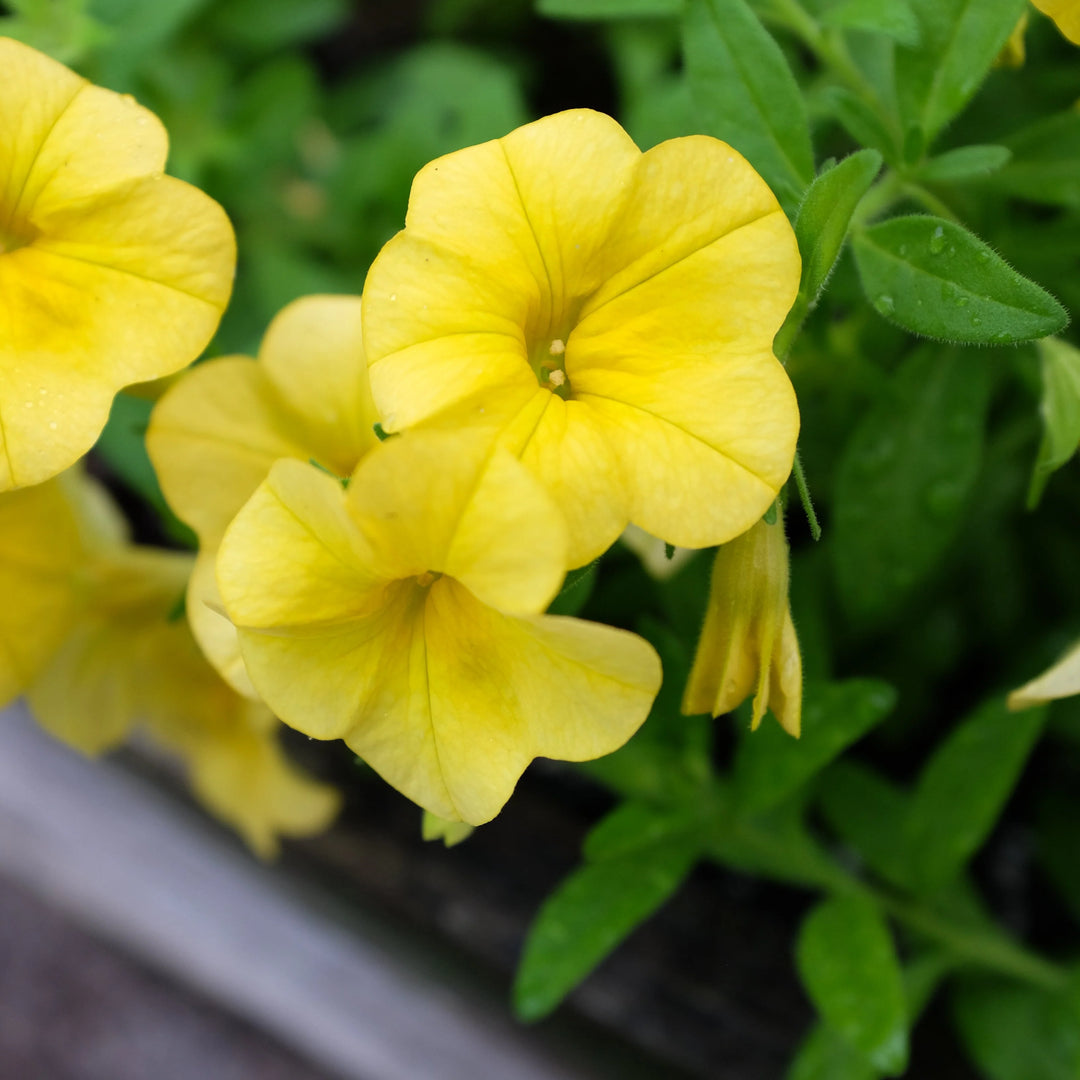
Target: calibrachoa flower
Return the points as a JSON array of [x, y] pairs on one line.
[[748, 643], [127, 659], [215, 434], [41, 552], [1066, 13], [111, 272], [609, 314], [1058, 681], [404, 614]]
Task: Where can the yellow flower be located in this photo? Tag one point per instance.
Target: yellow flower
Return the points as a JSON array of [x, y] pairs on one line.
[[41, 552], [1066, 13], [1058, 681], [748, 644], [610, 314], [111, 273], [123, 658], [404, 615], [215, 434]]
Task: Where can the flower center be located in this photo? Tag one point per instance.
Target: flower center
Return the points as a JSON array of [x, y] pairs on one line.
[[548, 361], [12, 237], [428, 577]]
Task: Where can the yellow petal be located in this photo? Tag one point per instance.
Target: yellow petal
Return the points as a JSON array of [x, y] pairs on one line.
[[96, 686], [704, 449], [213, 438], [1058, 681], [294, 557], [313, 355], [40, 552], [213, 631], [1066, 13], [241, 775], [112, 273], [566, 449], [451, 503]]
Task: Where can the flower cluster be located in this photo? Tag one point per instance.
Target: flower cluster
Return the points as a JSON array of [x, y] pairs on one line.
[[569, 337]]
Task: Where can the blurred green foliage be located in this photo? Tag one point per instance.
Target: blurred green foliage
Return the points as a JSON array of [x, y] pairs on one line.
[[934, 588]]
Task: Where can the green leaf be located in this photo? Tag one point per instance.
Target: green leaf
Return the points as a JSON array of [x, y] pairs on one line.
[[893, 18], [591, 912], [869, 813], [860, 121], [959, 40], [904, 478], [933, 277], [1046, 161], [1018, 1032], [1060, 410], [746, 93], [607, 9], [770, 765], [265, 25], [634, 825], [827, 1055], [964, 787], [825, 214], [965, 163], [848, 964]]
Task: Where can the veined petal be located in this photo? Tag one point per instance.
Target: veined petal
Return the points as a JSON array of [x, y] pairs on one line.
[[1058, 681], [452, 502], [686, 196], [40, 551], [213, 438], [294, 557], [564, 447], [121, 296], [313, 354], [543, 197], [63, 139], [214, 633], [704, 449], [502, 690]]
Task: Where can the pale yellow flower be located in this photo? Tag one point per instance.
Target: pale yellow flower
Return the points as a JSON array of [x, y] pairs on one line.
[[1066, 13], [608, 315], [404, 614], [214, 435], [1060, 680], [117, 656], [748, 643], [111, 272]]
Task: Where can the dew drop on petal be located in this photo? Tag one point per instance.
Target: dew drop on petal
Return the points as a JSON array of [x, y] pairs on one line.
[[884, 304]]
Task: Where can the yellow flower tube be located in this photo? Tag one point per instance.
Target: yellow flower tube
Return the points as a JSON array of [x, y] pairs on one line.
[[748, 643], [404, 614], [111, 272], [214, 435], [1066, 13], [606, 315]]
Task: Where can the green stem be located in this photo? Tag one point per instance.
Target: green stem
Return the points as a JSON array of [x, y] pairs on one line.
[[930, 201], [804, 496]]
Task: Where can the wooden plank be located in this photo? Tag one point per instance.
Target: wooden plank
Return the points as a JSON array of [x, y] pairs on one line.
[[124, 860]]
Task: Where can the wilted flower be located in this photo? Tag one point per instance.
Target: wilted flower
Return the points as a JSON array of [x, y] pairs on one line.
[[1058, 681], [111, 272], [748, 644], [404, 614], [215, 434], [607, 314], [1066, 13]]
